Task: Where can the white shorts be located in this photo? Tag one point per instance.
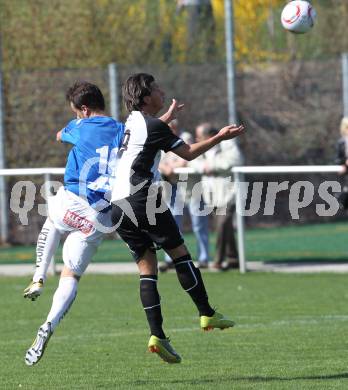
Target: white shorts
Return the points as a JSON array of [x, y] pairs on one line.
[[70, 213]]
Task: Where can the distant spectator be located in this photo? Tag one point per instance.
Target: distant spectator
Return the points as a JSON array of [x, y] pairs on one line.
[[219, 192], [169, 162], [342, 159], [200, 25], [342, 146]]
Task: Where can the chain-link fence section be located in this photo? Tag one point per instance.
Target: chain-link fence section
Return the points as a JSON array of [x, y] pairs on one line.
[[291, 110]]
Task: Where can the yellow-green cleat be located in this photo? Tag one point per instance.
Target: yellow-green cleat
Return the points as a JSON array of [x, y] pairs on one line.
[[218, 320], [163, 349], [34, 290]]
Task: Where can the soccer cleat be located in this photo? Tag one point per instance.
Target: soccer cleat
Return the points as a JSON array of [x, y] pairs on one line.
[[34, 290], [218, 320], [163, 349], [36, 351]]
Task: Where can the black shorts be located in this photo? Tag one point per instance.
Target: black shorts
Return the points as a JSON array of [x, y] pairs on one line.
[[140, 228]]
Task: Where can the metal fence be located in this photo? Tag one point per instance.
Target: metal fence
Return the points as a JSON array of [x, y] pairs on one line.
[[291, 110], [239, 173]]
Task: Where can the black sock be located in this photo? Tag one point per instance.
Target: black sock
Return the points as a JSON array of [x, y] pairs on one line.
[[191, 281], [151, 303]]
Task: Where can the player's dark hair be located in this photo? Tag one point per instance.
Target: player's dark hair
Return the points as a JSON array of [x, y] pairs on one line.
[[135, 89], [83, 93]]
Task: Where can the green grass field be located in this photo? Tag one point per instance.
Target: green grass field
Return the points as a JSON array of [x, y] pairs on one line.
[[290, 334], [317, 242]]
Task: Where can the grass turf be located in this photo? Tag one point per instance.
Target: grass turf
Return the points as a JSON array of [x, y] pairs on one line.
[[316, 242], [291, 334]]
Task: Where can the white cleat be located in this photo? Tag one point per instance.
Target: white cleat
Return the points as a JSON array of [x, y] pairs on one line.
[[36, 351], [34, 290]]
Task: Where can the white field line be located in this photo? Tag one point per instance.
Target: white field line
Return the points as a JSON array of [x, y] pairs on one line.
[[262, 325]]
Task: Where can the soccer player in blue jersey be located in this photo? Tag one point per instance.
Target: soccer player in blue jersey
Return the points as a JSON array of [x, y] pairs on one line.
[[80, 207]]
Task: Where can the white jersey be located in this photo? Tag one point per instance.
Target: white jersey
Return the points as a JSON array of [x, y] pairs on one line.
[[140, 153]]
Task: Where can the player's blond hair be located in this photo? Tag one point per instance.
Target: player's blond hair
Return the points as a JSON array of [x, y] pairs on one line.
[[344, 126]]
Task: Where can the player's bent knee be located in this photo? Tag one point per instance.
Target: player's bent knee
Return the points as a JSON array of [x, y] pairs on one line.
[[177, 252], [147, 263], [67, 272]]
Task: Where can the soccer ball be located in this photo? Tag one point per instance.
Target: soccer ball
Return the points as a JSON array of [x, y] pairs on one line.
[[298, 16]]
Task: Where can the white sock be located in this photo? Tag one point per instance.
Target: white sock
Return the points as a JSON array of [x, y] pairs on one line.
[[62, 300], [47, 244]]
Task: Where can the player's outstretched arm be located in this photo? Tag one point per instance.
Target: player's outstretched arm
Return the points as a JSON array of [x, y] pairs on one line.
[[190, 152], [172, 112]]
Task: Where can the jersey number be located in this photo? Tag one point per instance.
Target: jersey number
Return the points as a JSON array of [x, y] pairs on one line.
[[106, 162], [107, 167], [125, 141]]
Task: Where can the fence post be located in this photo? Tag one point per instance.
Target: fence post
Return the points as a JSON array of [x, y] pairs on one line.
[[345, 83], [47, 178], [113, 83], [3, 197], [238, 178], [230, 68]]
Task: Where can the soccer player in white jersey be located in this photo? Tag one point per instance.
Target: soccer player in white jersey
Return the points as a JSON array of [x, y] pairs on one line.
[[81, 207], [135, 199]]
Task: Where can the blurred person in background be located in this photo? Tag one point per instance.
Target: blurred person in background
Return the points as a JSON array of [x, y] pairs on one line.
[[200, 24], [177, 198], [342, 146], [219, 193], [342, 159]]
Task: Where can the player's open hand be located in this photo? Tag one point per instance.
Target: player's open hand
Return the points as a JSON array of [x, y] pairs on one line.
[[231, 131], [172, 112], [175, 108]]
